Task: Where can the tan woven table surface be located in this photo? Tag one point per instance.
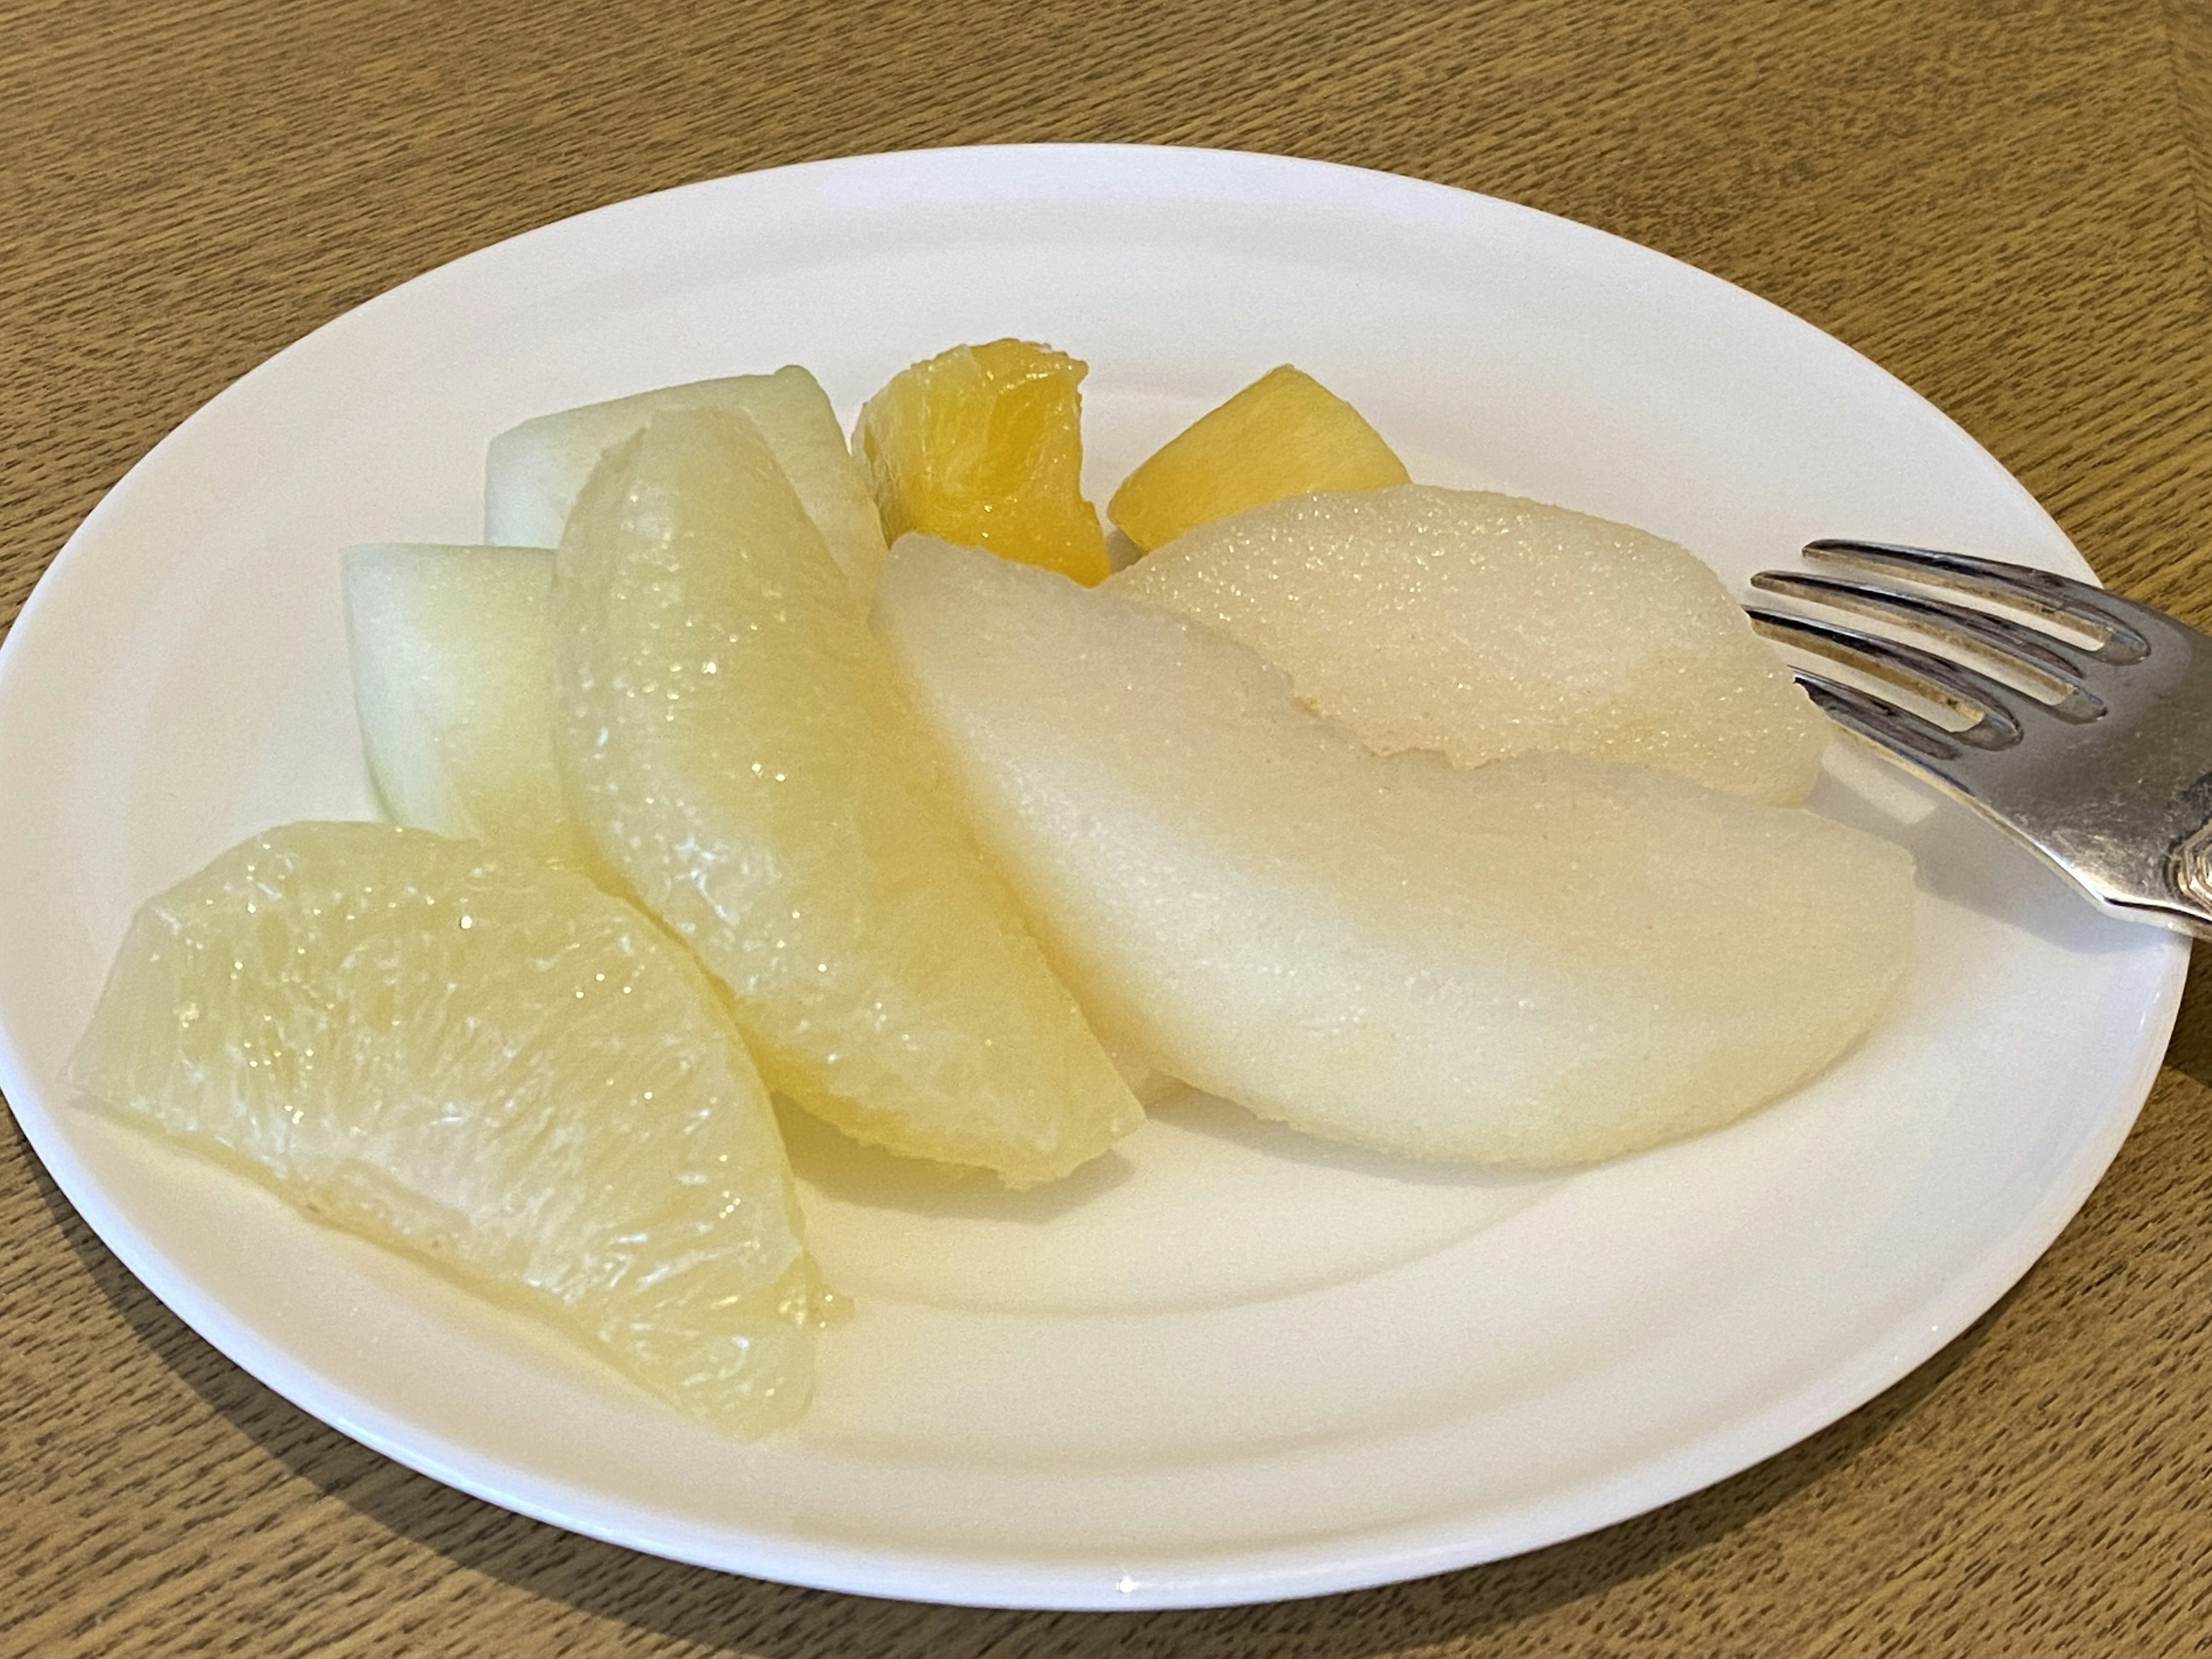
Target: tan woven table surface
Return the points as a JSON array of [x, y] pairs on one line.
[[2005, 204]]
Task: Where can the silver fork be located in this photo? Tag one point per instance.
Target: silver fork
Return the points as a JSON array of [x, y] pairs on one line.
[[2098, 754]]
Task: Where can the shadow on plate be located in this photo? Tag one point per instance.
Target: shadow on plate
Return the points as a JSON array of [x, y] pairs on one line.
[[1968, 861], [841, 1168], [1221, 1119], [723, 1613], [845, 1170]]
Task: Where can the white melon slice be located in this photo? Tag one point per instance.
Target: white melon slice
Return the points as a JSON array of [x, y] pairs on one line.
[[1543, 961], [1482, 625], [452, 678], [533, 473]]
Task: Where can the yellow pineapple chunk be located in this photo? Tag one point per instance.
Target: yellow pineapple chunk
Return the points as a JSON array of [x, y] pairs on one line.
[[983, 446], [1284, 434]]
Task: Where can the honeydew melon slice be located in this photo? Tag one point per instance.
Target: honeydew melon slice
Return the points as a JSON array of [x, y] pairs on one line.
[[453, 673], [534, 472]]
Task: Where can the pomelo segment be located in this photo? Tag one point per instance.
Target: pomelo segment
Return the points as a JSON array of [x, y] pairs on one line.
[[1540, 962], [1482, 625], [983, 445], [534, 472], [488, 1065], [1284, 434], [731, 733], [452, 680]]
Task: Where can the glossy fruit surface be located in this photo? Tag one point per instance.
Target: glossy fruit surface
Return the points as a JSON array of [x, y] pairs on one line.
[[1543, 961], [733, 737], [983, 446], [1284, 434], [1481, 625], [490, 1066]]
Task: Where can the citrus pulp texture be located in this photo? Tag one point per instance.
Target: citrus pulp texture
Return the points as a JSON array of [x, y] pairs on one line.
[[533, 473], [453, 675], [1283, 435], [1482, 625], [983, 446], [1543, 960], [731, 735], [491, 1065]]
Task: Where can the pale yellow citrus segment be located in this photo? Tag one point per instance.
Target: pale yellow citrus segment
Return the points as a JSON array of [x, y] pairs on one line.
[[491, 1065], [1283, 435], [731, 734], [1482, 626], [983, 446]]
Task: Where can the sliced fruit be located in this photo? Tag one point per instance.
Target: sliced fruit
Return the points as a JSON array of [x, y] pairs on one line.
[[730, 735], [983, 446], [1284, 434], [489, 1065], [452, 678], [1482, 625], [533, 473], [1543, 961]]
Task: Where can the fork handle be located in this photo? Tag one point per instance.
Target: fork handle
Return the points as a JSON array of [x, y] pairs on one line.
[[2190, 874], [2148, 865]]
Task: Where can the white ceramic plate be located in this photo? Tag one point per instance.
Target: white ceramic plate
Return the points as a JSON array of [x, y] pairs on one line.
[[1224, 1363]]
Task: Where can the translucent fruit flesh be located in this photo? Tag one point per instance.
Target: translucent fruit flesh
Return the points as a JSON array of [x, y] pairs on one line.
[[731, 733], [453, 673], [983, 446], [1482, 625], [490, 1066], [1543, 961], [1284, 434]]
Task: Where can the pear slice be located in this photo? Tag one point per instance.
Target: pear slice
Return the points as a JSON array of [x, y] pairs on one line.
[[1482, 625], [1543, 961]]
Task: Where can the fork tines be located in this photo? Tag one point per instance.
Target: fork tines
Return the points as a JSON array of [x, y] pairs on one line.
[[2084, 718], [2059, 601], [2034, 673]]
